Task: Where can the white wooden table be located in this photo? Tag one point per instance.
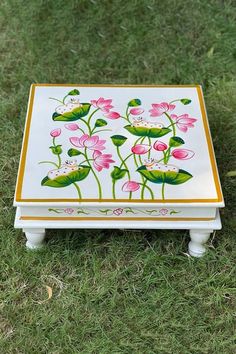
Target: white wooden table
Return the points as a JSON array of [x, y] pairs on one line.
[[115, 156]]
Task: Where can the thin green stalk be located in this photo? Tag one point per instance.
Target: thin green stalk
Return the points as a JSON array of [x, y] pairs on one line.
[[171, 123], [55, 99], [150, 143], [78, 190], [53, 163], [89, 119], [126, 167], [143, 188], [88, 126], [58, 155], [175, 101], [163, 191], [123, 162], [101, 130], [95, 176], [113, 189]]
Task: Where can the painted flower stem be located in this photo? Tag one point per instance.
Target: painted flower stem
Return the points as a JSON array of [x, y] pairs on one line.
[[88, 126], [150, 143], [95, 176], [163, 191], [78, 190], [172, 124], [101, 130], [144, 185], [114, 189], [53, 163], [126, 167], [55, 99], [90, 117], [58, 155], [123, 162]]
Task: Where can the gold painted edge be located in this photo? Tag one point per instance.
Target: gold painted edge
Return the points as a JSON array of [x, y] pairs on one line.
[[26, 138], [71, 218], [210, 144]]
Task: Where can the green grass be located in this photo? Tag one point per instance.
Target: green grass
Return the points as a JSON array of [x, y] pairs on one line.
[[117, 291]]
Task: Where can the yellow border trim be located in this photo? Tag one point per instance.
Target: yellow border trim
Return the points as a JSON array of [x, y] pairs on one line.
[[20, 177], [71, 218]]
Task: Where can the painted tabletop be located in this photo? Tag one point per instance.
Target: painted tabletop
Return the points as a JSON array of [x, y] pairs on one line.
[[88, 143]]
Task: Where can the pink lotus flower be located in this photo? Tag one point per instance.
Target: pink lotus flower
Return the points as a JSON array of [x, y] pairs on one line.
[[182, 154], [130, 186], [112, 115], [101, 160], [69, 210], [160, 146], [183, 122], [118, 211], [163, 211], [140, 149], [101, 103], [90, 142], [71, 126], [160, 108], [136, 111], [55, 133]]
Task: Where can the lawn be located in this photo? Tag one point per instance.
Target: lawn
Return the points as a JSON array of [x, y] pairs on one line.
[[118, 291]]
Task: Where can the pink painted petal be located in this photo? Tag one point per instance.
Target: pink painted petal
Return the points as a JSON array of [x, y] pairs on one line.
[[140, 149], [130, 186], [186, 120], [183, 128], [83, 138], [155, 112], [182, 154], [136, 111], [107, 102], [160, 146], [98, 167], [94, 103], [96, 154], [75, 141], [112, 115], [71, 126], [174, 116], [164, 106], [91, 141], [55, 133], [171, 107]]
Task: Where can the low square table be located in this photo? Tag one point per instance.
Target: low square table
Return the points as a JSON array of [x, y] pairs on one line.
[[117, 156]]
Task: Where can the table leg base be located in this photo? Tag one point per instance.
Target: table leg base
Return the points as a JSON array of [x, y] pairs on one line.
[[196, 246], [35, 238]]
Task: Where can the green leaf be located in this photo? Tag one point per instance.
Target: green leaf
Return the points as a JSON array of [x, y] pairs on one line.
[[135, 102], [185, 101], [176, 141], [56, 150], [75, 114], [118, 140], [118, 173], [74, 92], [149, 132], [100, 123], [64, 181], [169, 177], [73, 152]]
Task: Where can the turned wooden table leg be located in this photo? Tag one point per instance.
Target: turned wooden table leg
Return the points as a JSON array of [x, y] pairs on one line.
[[196, 246], [35, 238]]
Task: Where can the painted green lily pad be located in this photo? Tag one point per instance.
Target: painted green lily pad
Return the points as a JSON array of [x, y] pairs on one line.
[[64, 181], [75, 114], [149, 132], [169, 177]]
